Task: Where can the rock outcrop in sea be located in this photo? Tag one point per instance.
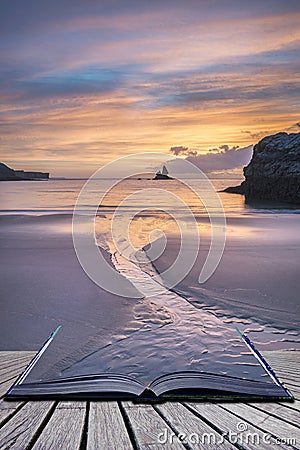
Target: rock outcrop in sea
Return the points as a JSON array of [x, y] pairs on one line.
[[274, 170], [162, 174], [8, 174]]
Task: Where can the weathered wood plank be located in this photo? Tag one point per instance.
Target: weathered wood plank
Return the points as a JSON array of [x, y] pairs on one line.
[[5, 360], [289, 360], [293, 389], [106, 427], [6, 369], [264, 421], [279, 411], [282, 370], [7, 409], [234, 427], [285, 360], [11, 372], [30, 424], [6, 385], [193, 430], [288, 378], [12, 365], [18, 432], [6, 354], [287, 375], [17, 357], [150, 429], [64, 429], [285, 355], [293, 405]]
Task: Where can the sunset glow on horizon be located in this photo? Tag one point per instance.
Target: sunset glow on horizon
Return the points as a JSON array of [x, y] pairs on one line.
[[83, 83]]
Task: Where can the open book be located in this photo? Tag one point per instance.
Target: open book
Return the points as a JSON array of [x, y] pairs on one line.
[[186, 384]]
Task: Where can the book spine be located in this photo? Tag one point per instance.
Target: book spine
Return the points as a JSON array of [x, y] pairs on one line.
[[148, 396]]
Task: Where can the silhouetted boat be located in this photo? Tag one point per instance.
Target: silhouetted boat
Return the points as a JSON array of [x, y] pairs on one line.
[[162, 174]]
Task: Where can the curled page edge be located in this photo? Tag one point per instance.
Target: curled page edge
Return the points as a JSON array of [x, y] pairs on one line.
[[35, 359], [263, 362]]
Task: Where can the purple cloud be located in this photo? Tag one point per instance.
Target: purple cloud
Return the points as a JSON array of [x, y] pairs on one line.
[[223, 159]]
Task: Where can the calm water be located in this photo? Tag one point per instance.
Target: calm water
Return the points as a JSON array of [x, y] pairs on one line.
[[59, 196]]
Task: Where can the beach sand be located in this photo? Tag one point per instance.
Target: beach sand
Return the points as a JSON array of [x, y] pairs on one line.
[[43, 286], [258, 276]]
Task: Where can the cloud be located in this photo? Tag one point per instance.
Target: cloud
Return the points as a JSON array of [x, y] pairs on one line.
[[223, 158], [259, 135], [179, 150], [256, 136], [183, 151], [294, 127], [192, 153], [78, 78]]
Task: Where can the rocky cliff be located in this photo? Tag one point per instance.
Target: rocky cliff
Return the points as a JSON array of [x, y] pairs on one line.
[[31, 175], [274, 170], [8, 174]]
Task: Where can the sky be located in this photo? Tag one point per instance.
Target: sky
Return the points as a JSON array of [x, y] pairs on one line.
[[85, 82]]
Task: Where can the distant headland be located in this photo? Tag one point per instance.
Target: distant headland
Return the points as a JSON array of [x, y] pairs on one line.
[[274, 170], [8, 174]]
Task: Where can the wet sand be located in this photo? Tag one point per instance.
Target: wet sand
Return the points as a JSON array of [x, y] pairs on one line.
[[43, 286], [258, 276]]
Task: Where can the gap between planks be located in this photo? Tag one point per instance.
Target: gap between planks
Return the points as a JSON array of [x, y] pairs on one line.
[[131, 426]]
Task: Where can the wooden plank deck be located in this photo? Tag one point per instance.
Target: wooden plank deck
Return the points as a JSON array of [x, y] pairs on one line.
[[124, 425]]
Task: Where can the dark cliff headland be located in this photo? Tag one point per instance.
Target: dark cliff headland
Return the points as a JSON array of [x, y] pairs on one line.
[[8, 174], [274, 171]]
